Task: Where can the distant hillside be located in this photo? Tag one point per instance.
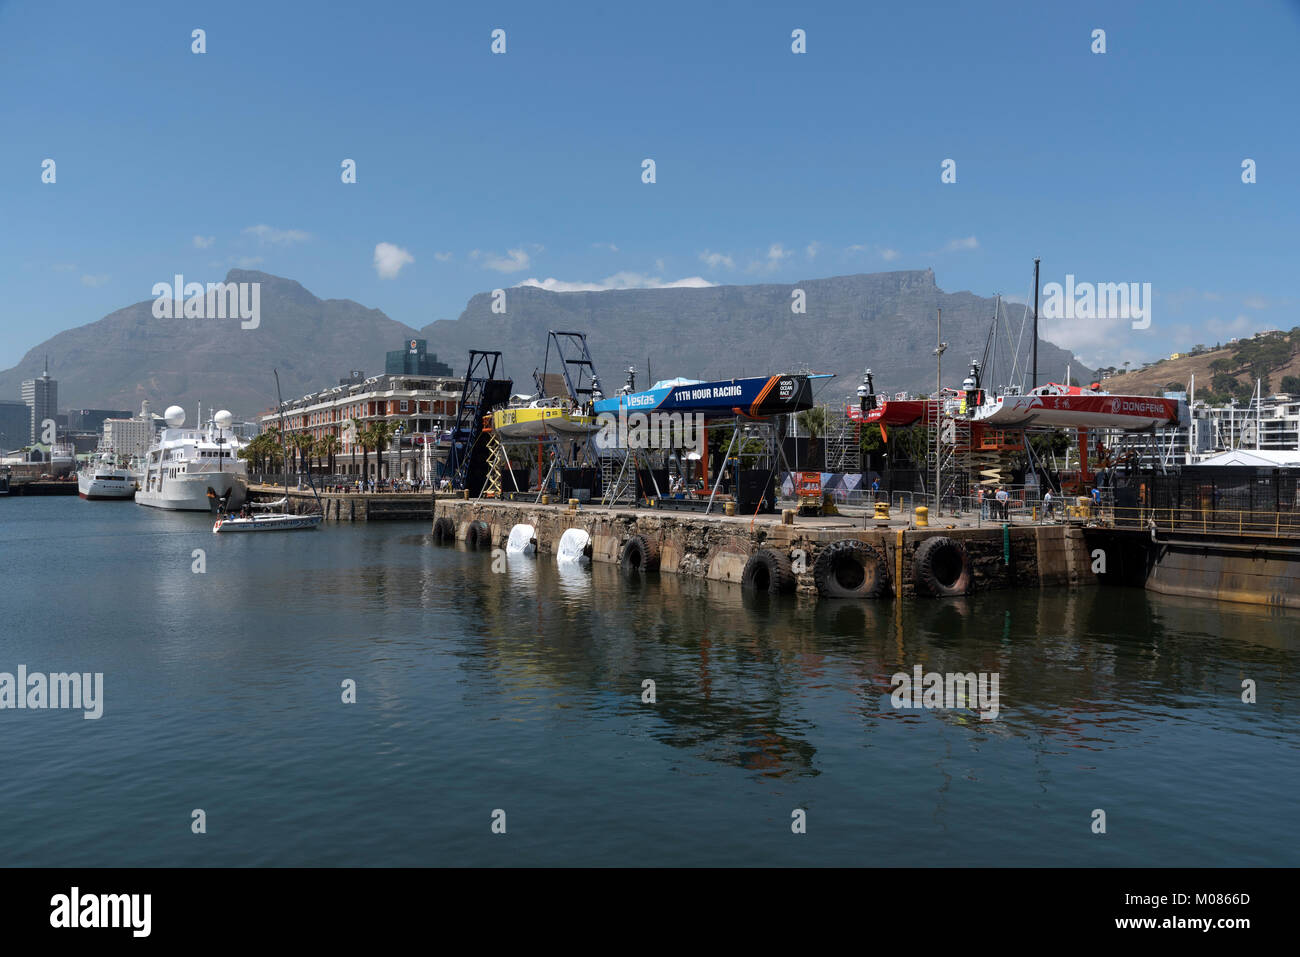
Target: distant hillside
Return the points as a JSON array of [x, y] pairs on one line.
[[1226, 372], [129, 355], [884, 321]]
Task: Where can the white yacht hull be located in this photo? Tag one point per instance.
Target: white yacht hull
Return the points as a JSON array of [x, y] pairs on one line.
[[112, 485], [189, 493], [266, 523]]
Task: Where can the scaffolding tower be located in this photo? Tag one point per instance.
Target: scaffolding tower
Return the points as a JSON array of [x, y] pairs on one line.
[[843, 443], [951, 457]]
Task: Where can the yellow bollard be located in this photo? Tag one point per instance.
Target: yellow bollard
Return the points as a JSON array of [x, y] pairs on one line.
[[882, 511], [728, 508], [922, 517]]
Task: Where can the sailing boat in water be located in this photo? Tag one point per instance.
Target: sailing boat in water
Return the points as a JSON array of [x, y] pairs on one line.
[[250, 519]]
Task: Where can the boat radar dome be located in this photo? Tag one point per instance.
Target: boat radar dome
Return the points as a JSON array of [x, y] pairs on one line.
[[223, 419], [174, 416]]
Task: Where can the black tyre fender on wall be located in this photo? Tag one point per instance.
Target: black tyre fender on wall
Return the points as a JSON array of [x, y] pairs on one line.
[[768, 571], [478, 535], [850, 569], [444, 531], [942, 567], [639, 555]]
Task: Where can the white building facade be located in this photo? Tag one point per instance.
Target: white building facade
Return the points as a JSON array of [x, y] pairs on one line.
[[422, 407]]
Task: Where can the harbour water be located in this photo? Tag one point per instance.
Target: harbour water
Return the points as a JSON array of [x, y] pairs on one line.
[[522, 691]]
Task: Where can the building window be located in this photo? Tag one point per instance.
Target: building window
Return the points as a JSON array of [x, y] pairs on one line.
[[402, 407]]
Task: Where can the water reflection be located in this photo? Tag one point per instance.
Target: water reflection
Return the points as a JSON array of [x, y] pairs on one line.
[[741, 679]]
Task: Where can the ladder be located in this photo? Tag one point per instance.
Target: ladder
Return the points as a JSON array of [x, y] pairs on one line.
[[496, 455]]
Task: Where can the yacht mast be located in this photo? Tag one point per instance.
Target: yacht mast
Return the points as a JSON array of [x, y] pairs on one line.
[[1034, 384]]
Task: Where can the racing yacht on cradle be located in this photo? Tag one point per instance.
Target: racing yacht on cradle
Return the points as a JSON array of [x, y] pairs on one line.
[[534, 418], [102, 478], [194, 469], [756, 397]]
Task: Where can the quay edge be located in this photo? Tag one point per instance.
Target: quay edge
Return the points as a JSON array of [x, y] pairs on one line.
[[717, 547]]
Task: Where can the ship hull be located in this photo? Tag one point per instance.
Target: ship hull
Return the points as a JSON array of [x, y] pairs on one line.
[[1133, 413], [189, 493], [541, 422], [97, 489], [759, 398]]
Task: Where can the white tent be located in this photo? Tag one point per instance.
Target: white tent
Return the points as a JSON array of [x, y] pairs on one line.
[[1259, 458]]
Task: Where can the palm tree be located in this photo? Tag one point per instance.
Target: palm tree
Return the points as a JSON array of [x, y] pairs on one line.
[[813, 423], [367, 439], [357, 429], [302, 443], [381, 433], [327, 448]]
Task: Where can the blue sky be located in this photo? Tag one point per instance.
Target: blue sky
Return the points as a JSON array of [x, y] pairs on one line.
[[490, 170]]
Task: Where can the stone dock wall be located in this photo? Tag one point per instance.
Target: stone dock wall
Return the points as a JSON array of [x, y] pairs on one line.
[[718, 547], [352, 506]]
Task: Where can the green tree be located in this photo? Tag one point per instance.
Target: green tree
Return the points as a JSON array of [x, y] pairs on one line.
[[381, 434], [327, 448]]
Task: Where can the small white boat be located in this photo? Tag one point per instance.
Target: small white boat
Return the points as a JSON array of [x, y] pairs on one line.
[[267, 522], [102, 478]]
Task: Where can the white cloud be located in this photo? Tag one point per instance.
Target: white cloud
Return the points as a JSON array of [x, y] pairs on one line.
[[811, 250], [717, 260], [1256, 302], [204, 242], [64, 267], [1175, 301], [279, 237], [442, 257], [887, 254], [956, 245], [659, 264], [1095, 341], [247, 262], [620, 280], [515, 260], [92, 281], [610, 246], [390, 259], [1242, 325], [776, 252]]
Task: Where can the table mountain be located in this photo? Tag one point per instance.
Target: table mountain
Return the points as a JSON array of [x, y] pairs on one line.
[[884, 321], [129, 355], [881, 320]]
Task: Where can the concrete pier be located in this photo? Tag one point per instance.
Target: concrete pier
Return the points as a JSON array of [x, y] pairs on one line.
[[352, 506], [717, 547]]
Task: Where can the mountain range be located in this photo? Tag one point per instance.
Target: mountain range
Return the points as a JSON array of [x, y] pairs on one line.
[[885, 321]]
